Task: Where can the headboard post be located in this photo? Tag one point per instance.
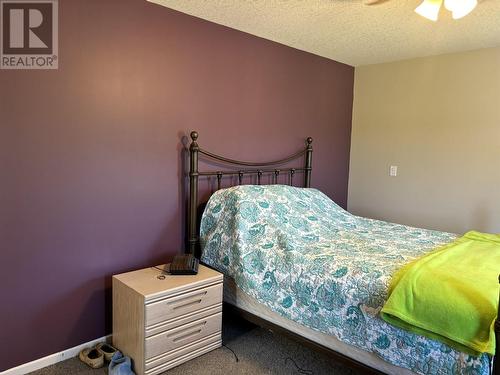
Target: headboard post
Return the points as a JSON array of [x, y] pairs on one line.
[[193, 193], [308, 165]]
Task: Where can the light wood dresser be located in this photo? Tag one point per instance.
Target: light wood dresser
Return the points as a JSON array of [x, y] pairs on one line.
[[161, 321]]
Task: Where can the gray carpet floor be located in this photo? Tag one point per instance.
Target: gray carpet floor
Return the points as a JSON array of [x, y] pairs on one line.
[[258, 350]]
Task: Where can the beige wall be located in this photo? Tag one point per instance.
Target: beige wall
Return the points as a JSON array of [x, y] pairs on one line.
[[438, 120]]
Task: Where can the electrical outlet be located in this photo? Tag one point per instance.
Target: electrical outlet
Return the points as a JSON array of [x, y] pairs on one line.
[[393, 171]]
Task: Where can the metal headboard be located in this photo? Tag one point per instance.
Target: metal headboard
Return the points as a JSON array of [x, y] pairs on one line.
[[250, 169]]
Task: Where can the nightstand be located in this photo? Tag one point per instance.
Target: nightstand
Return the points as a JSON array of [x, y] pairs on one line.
[[163, 321]]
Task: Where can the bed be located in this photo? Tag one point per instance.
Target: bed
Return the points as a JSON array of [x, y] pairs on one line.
[[328, 296]]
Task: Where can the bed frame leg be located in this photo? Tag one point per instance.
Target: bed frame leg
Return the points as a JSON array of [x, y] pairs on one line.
[[496, 359]]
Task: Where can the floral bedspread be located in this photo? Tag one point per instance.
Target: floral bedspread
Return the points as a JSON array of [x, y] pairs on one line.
[[306, 258]]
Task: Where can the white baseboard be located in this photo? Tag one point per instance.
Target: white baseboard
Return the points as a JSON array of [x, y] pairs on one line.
[[51, 359]]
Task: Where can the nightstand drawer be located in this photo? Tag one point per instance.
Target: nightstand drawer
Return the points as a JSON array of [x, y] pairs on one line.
[[183, 335], [166, 325], [185, 303], [165, 361]]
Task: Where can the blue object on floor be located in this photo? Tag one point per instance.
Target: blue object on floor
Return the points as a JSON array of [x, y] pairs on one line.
[[120, 365]]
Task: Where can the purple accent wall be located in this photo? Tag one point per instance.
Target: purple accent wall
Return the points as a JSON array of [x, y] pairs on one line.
[[90, 154]]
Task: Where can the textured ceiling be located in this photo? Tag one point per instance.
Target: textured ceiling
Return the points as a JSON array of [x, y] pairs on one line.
[[349, 31]]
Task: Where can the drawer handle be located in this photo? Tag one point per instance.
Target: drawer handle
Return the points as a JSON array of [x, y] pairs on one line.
[[187, 335], [175, 339], [188, 303]]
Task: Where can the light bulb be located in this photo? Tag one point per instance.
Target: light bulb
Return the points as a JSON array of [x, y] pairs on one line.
[[429, 9], [451, 4], [462, 8]]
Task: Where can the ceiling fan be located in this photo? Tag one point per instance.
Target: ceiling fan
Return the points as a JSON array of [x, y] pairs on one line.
[[430, 8]]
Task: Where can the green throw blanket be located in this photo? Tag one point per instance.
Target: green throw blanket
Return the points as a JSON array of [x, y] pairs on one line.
[[451, 294]]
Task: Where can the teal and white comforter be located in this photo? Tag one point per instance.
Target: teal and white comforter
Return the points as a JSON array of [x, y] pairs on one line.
[[304, 257]]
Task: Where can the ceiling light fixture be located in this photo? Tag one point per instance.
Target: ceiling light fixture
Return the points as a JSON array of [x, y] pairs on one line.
[[429, 9], [458, 8]]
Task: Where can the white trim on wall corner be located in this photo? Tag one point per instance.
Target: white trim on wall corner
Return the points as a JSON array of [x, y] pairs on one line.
[[51, 359]]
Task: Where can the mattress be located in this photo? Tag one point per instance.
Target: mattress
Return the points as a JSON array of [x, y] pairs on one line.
[[308, 260], [236, 297]]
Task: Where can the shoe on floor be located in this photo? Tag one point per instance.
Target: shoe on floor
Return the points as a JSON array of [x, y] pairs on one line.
[[92, 357], [120, 365], [106, 350]]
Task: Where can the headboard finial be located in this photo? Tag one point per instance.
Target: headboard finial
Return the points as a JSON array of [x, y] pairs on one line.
[[309, 140], [194, 135]]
